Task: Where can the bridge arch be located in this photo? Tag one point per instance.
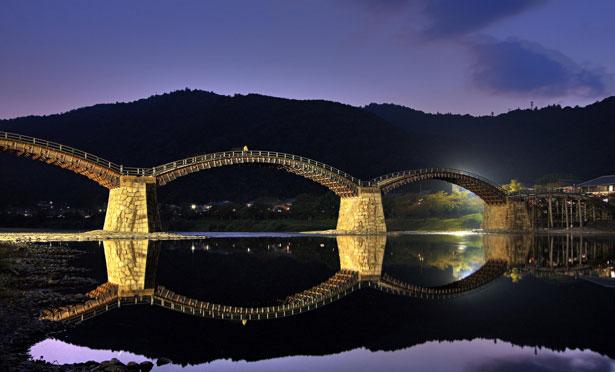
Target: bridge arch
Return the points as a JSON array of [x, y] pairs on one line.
[[487, 190], [341, 183], [99, 170]]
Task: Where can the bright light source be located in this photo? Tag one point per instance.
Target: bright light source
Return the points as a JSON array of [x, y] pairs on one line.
[[461, 233], [193, 206]]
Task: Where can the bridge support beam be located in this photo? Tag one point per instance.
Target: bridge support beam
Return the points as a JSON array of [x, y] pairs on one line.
[[362, 214], [509, 216], [133, 206]]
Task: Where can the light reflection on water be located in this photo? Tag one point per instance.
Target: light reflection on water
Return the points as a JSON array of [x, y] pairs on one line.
[[462, 356]]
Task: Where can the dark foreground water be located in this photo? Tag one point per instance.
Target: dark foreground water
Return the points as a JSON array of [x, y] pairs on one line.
[[552, 310]]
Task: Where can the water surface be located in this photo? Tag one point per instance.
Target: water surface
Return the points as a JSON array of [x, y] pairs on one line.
[[551, 310]]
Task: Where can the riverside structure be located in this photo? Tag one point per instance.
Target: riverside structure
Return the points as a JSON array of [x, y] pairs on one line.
[[133, 206]]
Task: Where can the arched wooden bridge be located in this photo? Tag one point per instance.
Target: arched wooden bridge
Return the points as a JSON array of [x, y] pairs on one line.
[[341, 183], [489, 191], [101, 171], [108, 173], [133, 206]]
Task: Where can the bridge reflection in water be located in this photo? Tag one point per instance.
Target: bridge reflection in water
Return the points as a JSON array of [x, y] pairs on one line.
[[132, 265], [131, 279]]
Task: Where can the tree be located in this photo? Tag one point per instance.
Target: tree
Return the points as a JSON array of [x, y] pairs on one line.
[[513, 186]]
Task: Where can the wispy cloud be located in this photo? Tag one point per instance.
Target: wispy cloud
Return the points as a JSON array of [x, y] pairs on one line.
[[519, 67], [450, 18], [454, 18]]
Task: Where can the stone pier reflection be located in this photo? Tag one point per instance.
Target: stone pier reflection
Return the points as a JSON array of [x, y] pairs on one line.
[[363, 254], [131, 265], [131, 272]]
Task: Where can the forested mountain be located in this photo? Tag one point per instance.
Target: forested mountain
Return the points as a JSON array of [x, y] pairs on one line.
[[526, 144], [365, 142], [172, 126]]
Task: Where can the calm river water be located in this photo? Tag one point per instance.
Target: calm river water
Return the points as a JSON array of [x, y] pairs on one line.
[[550, 310]]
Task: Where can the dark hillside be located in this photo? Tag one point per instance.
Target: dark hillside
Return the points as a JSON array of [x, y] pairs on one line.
[[172, 126], [526, 144]]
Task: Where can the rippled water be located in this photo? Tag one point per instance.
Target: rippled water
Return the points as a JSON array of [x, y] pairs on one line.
[[550, 310]]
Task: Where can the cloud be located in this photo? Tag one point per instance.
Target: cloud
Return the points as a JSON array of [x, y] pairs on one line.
[[454, 18], [449, 18], [518, 67], [544, 363], [508, 67]]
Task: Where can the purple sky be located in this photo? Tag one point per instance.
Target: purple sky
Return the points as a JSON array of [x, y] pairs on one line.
[[468, 56]]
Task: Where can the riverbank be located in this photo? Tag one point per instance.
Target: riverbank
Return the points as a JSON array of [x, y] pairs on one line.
[[96, 235], [32, 278]]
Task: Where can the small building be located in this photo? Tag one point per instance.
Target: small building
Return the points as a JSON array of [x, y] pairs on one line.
[[603, 187]]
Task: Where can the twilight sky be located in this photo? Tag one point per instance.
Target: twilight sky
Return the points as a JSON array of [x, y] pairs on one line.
[[473, 56]]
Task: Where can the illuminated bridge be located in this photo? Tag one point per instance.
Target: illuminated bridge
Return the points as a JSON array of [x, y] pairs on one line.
[[133, 207]]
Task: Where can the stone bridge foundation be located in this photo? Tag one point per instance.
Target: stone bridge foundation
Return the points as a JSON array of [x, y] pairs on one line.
[[362, 214], [510, 216], [133, 206]]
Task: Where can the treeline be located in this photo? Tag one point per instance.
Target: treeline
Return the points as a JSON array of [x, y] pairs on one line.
[[439, 204]]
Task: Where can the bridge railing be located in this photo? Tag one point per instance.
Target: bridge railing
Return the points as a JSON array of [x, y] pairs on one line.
[[129, 171], [375, 181], [250, 154]]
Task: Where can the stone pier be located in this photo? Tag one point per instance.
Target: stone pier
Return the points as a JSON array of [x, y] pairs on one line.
[[362, 214], [133, 206], [363, 254], [510, 216]]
